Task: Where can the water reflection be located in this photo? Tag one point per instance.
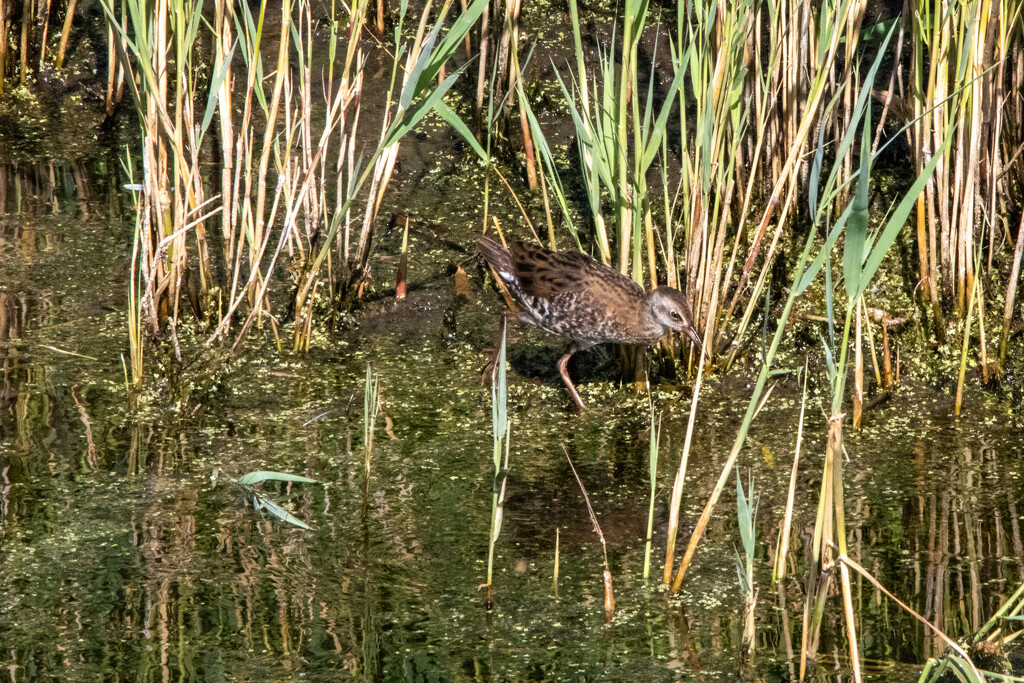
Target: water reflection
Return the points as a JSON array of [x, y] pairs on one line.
[[122, 561], [46, 187]]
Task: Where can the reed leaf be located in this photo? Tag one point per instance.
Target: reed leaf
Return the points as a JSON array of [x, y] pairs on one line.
[[257, 477], [655, 135], [211, 99], [261, 502], [499, 403], [857, 225], [548, 165], [887, 237], [412, 116], [453, 120]]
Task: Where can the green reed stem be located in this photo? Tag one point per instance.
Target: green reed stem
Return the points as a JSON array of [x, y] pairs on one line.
[[371, 390], [500, 425], [652, 460]]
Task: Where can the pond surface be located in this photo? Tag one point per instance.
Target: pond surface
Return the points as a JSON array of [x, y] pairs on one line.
[[123, 559]]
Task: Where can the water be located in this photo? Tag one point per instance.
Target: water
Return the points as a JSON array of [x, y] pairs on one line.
[[122, 560]]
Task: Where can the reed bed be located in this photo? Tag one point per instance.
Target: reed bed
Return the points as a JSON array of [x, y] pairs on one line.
[[696, 182], [294, 186]]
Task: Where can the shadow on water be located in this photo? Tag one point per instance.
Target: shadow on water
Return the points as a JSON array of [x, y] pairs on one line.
[[122, 560]]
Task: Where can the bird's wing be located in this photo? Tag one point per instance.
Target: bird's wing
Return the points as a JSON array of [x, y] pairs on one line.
[[548, 274]]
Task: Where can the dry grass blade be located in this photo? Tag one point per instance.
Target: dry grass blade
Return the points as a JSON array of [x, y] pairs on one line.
[[609, 595], [852, 564]]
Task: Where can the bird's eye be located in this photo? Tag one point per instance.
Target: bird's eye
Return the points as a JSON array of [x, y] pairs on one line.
[[675, 315]]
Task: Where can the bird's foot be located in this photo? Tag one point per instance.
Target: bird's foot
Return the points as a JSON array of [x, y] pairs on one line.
[[576, 406]]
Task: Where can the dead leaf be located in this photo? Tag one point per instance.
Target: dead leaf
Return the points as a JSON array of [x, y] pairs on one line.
[[462, 284]]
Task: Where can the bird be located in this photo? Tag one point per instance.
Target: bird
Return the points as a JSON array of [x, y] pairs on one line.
[[571, 295]]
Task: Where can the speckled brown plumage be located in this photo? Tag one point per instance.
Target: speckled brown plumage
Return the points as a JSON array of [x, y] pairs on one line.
[[574, 296]]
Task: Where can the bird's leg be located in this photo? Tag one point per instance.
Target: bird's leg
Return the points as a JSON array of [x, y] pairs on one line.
[[563, 370]]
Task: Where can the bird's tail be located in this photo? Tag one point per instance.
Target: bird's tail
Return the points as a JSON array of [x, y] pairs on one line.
[[497, 256]]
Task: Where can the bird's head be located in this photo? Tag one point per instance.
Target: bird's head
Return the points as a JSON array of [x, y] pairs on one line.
[[670, 309]]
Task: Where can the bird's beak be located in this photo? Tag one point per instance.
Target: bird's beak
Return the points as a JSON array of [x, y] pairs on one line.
[[692, 334]]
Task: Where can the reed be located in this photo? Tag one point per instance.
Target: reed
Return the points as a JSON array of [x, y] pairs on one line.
[[1011, 292], [173, 193], [714, 122], [619, 142], [958, 658], [4, 53], [371, 405], [402, 276], [421, 93], [976, 297], [500, 426], [135, 289], [65, 34], [303, 215], [861, 259], [800, 118], [960, 51], [652, 461], [782, 550], [680, 478], [746, 515], [746, 114], [554, 572]]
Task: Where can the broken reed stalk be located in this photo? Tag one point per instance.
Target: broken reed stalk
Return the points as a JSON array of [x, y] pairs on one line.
[[401, 279], [510, 33], [554, 575], [865, 313], [481, 77], [652, 461], [500, 425], [115, 70], [779, 571], [609, 595], [43, 9]]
